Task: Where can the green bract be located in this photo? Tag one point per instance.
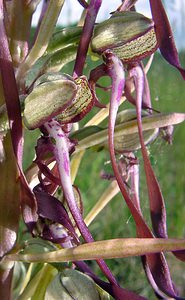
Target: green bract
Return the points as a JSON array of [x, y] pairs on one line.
[[72, 284], [130, 35], [64, 38]]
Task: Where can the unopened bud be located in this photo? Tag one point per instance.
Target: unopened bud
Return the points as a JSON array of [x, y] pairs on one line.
[[131, 142], [130, 35], [81, 104], [72, 284], [51, 95]]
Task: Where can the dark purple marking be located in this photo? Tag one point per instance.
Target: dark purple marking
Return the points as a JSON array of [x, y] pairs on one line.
[[59, 134], [66, 163]]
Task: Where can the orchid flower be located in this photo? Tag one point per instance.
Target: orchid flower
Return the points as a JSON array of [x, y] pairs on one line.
[[37, 94]]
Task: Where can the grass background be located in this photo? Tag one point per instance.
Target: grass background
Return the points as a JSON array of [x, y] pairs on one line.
[[168, 95]]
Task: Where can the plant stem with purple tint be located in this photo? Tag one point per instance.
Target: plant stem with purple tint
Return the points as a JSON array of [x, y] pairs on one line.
[[88, 28], [61, 153]]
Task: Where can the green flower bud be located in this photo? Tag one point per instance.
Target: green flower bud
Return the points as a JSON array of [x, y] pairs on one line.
[[57, 95], [19, 274], [130, 35], [72, 284], [131, 142], [50, 96], [63, 38], [81, 104]]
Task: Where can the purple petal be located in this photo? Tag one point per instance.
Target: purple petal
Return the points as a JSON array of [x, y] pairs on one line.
[[157, 206], [156, 262], [164, 35], [51, 208]]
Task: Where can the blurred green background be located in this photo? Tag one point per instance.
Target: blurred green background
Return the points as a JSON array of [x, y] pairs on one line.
[[168, 95]]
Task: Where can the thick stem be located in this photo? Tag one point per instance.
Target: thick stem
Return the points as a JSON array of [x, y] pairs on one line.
[[9, 194], [6, 272]]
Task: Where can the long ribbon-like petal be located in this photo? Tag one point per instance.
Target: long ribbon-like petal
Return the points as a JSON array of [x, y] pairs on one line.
[[164, 35]]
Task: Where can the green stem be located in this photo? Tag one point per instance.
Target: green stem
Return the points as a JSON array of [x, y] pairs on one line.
[[42, 40], [111, 191]]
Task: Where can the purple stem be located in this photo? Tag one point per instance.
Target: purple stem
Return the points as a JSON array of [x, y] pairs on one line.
[[83, 3], [61, 153], [10, 91], [87, 32]]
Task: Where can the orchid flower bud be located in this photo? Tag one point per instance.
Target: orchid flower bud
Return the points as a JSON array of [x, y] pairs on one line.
[[131, 142], [130, 35], [81, 104], [57, 95], [63, 38], [51, 94], [72, 284]]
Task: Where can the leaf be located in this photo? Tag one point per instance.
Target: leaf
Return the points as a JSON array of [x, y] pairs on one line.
[[107, 249], [72, 284], [150, 122]]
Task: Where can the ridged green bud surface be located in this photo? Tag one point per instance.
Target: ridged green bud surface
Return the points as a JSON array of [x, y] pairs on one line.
[[130, 35], [131, 142], [72, 284], [50, 96], [58, 96]]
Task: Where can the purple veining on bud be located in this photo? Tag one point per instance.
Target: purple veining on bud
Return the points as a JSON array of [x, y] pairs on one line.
[[129, 35]]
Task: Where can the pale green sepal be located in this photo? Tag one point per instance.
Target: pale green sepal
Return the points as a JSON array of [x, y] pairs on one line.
[[37, 245], [56, 61], [131, 142], [72, 284], [19, 274]]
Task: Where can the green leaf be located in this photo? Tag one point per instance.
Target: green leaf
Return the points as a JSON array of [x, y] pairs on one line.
[[128, 128], [63, 38], [72, 284], [115, 248]]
